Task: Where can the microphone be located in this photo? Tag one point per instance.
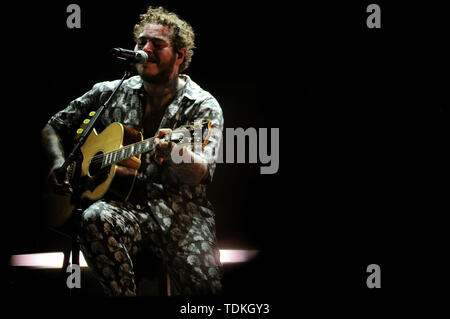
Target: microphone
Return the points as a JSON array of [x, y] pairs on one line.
[[130, 55]]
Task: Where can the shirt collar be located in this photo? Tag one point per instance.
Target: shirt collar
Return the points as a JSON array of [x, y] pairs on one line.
[[134, 83], [189, 87], [188, 91]]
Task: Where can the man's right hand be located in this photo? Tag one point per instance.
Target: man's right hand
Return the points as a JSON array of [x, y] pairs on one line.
[[58, 181], [54, 151]]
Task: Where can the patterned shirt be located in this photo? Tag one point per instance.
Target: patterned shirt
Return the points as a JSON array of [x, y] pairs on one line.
[[155, 187]]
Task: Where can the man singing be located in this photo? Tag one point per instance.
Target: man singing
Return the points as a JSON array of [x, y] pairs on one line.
[[167, 214]]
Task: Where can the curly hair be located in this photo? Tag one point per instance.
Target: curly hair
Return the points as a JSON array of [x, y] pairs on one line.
[[182, 34]]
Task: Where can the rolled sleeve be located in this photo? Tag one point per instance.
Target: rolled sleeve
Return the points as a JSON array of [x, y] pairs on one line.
[[66, 121], [210, 110]]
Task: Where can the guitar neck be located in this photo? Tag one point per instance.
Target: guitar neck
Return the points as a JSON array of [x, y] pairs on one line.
[[128, 151], [182, 134]]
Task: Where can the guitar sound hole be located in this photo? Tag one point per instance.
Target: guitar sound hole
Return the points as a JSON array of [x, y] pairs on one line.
[[95, 167]]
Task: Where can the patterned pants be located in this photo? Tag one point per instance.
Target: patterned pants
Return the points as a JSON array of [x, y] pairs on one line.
[[113, 234]]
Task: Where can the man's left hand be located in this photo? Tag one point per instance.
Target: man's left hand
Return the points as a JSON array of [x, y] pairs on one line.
[[163, 147]]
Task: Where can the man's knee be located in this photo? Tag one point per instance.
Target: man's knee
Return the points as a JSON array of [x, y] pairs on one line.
[[95, 221], [94, 213]]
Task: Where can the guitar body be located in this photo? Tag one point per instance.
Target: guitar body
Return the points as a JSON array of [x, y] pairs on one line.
[[93, 180]]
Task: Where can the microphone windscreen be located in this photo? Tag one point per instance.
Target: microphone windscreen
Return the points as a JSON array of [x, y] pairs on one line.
[[141, 56]]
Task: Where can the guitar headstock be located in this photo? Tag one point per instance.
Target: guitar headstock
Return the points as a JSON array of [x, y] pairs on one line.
[[192, 134]]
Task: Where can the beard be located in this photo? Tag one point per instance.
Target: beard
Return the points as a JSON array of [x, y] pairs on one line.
[[164, 74]]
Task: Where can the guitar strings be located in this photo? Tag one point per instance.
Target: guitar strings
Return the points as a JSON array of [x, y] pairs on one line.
[[99, 158]]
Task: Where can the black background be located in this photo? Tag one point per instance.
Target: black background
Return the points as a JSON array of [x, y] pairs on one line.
[[363, 121]]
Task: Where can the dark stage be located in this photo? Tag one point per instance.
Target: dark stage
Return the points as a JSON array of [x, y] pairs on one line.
[[363, 137]]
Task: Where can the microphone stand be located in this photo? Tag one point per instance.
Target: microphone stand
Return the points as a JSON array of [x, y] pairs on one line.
[[75, 156]]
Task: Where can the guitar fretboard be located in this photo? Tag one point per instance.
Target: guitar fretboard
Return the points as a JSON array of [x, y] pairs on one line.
[[183, 134], [127, 152]]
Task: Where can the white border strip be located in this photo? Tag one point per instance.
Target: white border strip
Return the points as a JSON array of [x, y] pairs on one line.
[[55, 259]]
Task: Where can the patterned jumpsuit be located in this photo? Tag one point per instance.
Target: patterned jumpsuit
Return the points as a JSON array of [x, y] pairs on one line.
[[172, 220]]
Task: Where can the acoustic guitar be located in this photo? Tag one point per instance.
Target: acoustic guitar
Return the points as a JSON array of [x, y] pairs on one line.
[[94, 175]]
